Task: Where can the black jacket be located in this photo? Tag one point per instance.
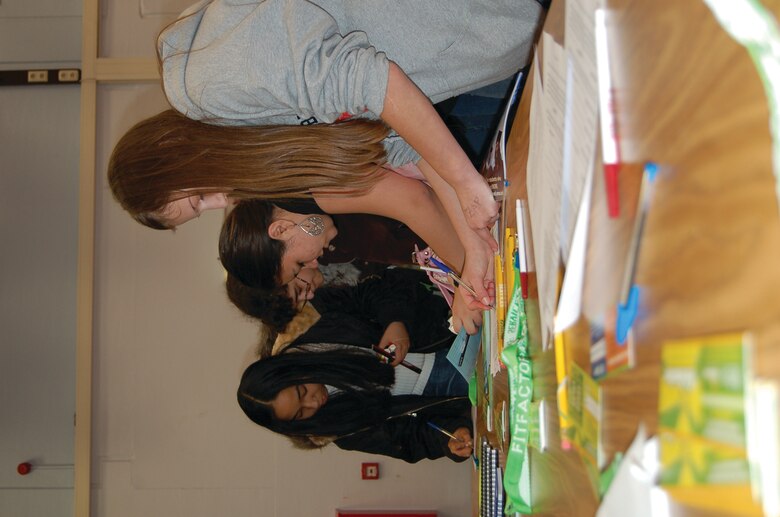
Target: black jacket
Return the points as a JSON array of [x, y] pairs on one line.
[[358, 316]]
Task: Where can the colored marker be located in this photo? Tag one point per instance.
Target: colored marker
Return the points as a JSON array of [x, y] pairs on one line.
[[509, 257], [610, 146], [522, 248]]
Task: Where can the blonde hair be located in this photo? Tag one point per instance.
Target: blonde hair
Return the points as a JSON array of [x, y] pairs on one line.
[[161, 157]]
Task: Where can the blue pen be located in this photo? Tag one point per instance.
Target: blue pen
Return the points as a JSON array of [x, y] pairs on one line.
[[431, 424], [629, 297], [441, 265], [434, 426]]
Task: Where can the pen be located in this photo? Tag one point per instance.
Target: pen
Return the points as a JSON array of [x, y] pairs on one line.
[[431, 424], [610, 150], [463, 352], [455, 277], [629, 292], [648, 174], [390, 357]]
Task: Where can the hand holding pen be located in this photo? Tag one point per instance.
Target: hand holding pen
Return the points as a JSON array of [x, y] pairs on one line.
[[460, 443], [466, 305], [396, 337], [458, 281], [391, 357]]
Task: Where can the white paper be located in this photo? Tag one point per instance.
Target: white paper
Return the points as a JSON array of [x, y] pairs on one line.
[[544, 178], [633, 491], [581, 112], [763, 427], [570, 303]]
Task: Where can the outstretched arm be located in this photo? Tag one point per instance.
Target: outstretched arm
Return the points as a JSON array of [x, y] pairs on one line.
[[476, 269], [409, 112]]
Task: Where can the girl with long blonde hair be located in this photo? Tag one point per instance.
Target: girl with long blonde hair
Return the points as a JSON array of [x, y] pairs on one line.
[[294, 69]]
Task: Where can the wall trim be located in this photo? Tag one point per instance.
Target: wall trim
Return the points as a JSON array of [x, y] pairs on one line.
[[95, 70]]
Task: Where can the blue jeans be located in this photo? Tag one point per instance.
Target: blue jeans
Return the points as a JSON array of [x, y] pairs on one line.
[[445, 379], [473, 117]]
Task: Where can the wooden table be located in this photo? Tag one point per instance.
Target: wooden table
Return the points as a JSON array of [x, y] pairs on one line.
[[689, 98]]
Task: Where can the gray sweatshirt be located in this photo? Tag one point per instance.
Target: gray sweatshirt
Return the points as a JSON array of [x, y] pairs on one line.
[[292, 62]]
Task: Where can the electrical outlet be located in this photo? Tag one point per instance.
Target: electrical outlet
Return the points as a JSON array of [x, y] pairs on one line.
[[369, 470], [69, 75], [37, 76]]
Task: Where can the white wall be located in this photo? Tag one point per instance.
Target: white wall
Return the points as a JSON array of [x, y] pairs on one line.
[[38, 231], [38, 235], [33, 32]]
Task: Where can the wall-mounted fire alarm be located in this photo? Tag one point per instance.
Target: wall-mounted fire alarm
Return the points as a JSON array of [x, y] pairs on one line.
[[369, 471]]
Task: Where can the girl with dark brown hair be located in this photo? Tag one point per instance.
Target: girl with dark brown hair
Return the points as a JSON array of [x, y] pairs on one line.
[[270, 251]]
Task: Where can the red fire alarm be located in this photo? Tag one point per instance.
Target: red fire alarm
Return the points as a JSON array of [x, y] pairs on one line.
[[369, 470]]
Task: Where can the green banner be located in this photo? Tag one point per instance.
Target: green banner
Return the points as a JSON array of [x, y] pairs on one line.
[[517, 478]]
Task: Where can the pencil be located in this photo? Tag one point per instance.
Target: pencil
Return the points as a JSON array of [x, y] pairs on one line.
[[500, 292]]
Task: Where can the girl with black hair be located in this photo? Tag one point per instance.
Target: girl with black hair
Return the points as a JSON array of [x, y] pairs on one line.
[[343, 395], [398, 306], [319, 380]]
